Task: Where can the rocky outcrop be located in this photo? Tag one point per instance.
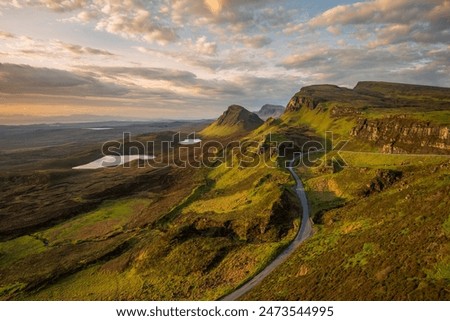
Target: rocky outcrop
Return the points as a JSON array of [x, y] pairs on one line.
[[369, 94], [298, 102], [403, 135], [400, 133], [238, 115], [384, 178], [312, 96]]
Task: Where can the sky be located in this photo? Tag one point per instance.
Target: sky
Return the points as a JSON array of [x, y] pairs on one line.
[[70, 60]]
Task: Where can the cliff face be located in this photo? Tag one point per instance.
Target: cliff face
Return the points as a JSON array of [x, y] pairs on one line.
[[298, 102], [390, 123], [402, 135], [310, 97], [372, 94]]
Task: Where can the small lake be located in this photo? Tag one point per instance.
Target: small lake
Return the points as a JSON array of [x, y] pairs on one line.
[[190, 141], [99, 128], [112, 161]]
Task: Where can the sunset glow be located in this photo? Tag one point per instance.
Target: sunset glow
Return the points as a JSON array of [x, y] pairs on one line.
[[182, 58]]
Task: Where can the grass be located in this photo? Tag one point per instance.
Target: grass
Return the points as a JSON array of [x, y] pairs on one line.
[[442, 270], [221, 131], [392, 245], [362, 258], [211, 230], [194, 255], [321, 122], [112, 217], [93, 283], [441, 117], [379, 160], [19, 248], [446, 226]]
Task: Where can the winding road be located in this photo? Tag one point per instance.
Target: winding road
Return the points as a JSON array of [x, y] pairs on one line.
[[304, 233]]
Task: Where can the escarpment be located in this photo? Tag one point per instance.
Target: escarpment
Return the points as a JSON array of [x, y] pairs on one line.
[[403, 135], [395, 118]]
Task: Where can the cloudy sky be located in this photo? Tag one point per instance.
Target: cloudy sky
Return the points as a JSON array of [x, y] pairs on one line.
[[136, 59]]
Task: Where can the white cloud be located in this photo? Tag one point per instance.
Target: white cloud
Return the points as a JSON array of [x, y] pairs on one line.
[[127, 18], [257, 41], [130, 19], [421, 21], [203, 47], [216, 52], [64, 5], [6, 35], [350, 64]]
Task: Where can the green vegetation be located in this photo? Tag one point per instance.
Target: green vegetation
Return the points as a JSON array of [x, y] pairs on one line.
[[111, 218], [184, 244], [221, 131], [391, 244], [321, 121], [19, 248], [436, 117], [381, 227]]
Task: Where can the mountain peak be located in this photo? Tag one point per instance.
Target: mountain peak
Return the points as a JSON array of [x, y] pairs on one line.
[[238, 115], [234, 120]]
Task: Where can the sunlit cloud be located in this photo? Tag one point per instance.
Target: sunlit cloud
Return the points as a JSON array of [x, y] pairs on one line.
[[205, 55], [215, 6]]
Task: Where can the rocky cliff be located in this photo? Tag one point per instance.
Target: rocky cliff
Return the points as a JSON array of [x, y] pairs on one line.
[[402, 135], [397, 118]]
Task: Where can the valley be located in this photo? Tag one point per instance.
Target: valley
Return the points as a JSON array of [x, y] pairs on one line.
[[377, 194]]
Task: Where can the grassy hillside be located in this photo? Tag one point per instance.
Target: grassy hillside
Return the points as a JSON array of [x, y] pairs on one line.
[[372, 242], [197, 233], [381, 219], [184, 241]]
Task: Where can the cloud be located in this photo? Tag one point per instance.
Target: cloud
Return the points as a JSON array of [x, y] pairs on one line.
[[175, 77], [234, 15], [348, 65], [207, 54], [32, 48], [203, 47], [182, 83], [64, 5], [6, 35], [400, 21], [255, 42], [127, 18], [80, 50], [152, 89], [215, 6], [24, 79], [130, 19], [233, 60]]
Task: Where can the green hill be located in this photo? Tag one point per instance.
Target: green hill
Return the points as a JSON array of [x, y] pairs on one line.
[[380, 209], [236, 120]]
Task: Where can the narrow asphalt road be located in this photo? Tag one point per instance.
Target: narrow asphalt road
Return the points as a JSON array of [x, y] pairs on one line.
[[304, 233]]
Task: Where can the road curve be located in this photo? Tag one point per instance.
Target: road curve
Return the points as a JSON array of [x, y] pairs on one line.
[[304, 233]]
